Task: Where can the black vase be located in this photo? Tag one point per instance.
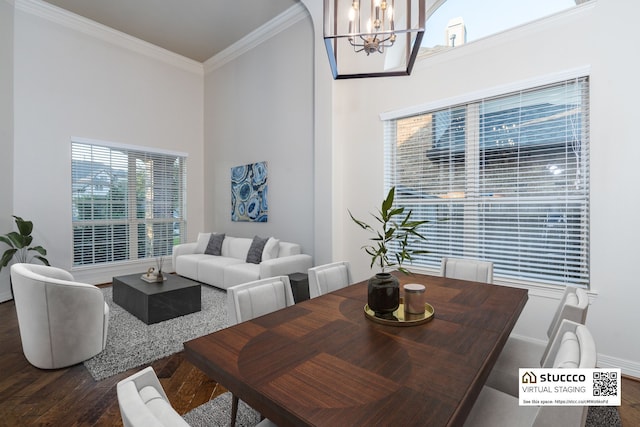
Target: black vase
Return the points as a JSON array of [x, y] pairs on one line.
[[383, 295]]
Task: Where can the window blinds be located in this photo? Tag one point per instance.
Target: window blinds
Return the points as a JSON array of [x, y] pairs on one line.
[[127, 203], [504, 178]]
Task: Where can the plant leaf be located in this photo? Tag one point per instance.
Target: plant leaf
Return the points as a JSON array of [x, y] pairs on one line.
[[39, 249], [43, 259], [388, 202], [25, 227], [7, 256]]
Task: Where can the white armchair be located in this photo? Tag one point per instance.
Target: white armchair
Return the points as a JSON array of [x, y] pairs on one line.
[[61, 322], [328, 278], [467, 269]]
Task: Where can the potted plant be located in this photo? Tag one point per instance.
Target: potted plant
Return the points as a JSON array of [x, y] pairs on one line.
[[19, 244], [396, 228]]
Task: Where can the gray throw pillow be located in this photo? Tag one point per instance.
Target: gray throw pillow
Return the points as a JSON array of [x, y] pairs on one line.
[[254, 255], [214, 247]]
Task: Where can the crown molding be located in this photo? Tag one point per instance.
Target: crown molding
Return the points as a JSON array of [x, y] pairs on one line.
[[86, 26], [278, 24]]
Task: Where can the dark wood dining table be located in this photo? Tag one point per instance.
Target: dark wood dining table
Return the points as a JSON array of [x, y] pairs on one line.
[[322, 362]]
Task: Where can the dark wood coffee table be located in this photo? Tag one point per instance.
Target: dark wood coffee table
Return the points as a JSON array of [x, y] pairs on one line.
[[156, 302]]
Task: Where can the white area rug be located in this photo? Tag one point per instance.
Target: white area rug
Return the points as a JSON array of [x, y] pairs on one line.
[[217, 413], [132, 343]]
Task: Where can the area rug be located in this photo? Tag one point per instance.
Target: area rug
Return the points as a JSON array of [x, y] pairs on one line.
[[132, 343], [216, 413], [603, 416]]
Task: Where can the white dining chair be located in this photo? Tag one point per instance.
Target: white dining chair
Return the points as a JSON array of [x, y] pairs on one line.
[[329, 277], [467, 269], [523, 353], [254, 299], [573, 347], [144, 403]]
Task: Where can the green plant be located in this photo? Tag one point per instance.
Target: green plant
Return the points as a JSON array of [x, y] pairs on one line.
[[19, 243], [395, 227]]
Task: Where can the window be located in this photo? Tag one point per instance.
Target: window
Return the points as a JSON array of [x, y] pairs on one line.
[[453, 23], [504, 179], [128, 203]]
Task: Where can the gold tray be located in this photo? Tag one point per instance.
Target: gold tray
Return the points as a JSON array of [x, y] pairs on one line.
[[399, 320]]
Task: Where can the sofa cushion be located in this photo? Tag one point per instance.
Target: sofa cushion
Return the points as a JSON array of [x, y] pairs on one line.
[[241, 273], [238, 247], [211, 269], [271, 249], [254, 255], [201, 244], [187, 265], [214, 247], [287, 249]]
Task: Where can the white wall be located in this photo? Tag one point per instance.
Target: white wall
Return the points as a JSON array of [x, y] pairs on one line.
[[592, 35], [259, 107], [6, 135], [73, 79]]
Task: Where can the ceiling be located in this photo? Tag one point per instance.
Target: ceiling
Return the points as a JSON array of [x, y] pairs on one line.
[[196, 29]]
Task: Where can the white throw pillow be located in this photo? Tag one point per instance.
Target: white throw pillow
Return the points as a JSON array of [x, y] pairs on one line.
[[271, 249], [203, 241]]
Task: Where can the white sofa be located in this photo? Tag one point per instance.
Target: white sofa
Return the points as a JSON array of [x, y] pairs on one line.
[[231, 268]]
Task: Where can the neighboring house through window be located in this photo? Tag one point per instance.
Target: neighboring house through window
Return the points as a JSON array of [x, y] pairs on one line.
[[128, 203], [503, 178]]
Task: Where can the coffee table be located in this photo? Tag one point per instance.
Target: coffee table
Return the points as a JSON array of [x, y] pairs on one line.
[[156, 302]]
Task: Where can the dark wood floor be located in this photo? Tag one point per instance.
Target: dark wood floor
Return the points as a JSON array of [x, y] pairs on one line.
[[70, 397]]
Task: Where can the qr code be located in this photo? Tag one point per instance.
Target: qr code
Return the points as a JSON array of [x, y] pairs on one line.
[[605, 383]]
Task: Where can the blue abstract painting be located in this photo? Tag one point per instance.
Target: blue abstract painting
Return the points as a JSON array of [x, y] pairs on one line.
[[249, 193]]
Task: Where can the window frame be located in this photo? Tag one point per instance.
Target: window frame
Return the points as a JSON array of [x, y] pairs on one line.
[[473, 100], [137, 159]]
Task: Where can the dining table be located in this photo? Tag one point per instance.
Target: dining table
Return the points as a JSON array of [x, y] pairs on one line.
[[325, 362]]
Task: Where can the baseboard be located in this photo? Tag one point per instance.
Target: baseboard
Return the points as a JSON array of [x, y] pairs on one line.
[[627, 367], [6, 296]]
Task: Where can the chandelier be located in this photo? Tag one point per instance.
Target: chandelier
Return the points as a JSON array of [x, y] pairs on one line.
[[373, 38]]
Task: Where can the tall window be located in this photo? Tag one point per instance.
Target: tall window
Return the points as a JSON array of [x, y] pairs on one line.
[[504, 179], [128, 203]]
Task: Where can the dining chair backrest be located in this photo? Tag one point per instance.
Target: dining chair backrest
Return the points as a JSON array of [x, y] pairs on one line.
[[328, 278], [253, 299], [467, 269], [572, 347], [144, 403], [573, 306]]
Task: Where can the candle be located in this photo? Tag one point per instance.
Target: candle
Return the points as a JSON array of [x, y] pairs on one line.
[[414, 298]]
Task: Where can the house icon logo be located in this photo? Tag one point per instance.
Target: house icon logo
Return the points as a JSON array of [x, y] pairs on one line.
[[529, 378]]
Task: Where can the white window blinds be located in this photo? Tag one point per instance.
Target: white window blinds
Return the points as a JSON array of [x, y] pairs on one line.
[[127, 203], [504, 179]]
